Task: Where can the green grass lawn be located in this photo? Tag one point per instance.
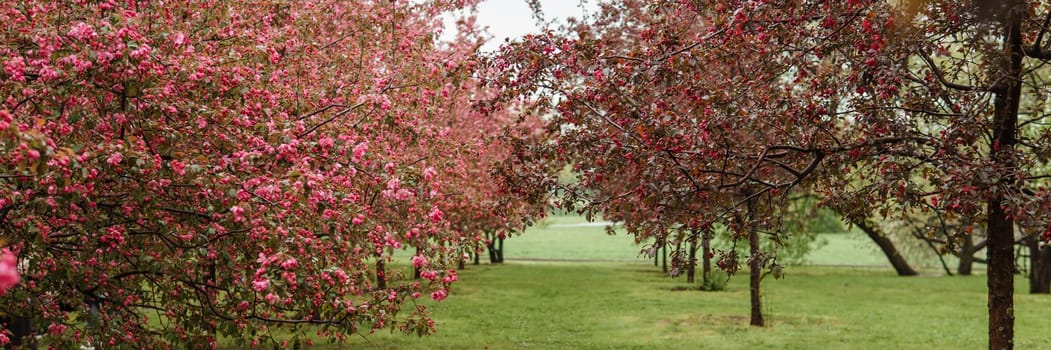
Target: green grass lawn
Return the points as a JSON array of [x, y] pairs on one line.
[[560, 305], [567, 237], [571, 286]]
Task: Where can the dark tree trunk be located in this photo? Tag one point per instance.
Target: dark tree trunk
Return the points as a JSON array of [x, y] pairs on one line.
[[1000, 272], [656, 256], [664, 258], [496, 250], [416, 270], [901, 266], [381, 274], [755, 267], [1039, 267], [21, 329], [492, 253], [706, 255], [461, 263], [691, 272], [1000, 267], [966, 265], [477, 256]]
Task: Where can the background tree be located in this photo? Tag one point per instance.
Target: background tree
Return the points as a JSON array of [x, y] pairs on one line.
[[857, 101]]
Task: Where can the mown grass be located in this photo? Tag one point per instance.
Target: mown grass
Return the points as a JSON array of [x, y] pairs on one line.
[[545, 305], [570, 286]]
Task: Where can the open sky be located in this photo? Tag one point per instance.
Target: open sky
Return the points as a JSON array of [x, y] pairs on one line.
[[512, 18]]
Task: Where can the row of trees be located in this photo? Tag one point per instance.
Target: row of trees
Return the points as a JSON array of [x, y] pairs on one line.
[[683, 115], [172, 171]]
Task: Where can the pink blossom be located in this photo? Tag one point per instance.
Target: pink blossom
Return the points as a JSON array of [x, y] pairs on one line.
[[429, 275], [141, 52], [436, 215], [47, 73], [4, 340], [16, 69], [178, 167], [179, 39], [260, 284], [358, 220], [440, 294], [450, 277], [115, 158], [326, 142], [359, 151], [9, 276], [429, 173], [5, 119], [419, 261], [82, 31], [403, 195], [272, 298], [238, 213], [56, 329], [291, 263]]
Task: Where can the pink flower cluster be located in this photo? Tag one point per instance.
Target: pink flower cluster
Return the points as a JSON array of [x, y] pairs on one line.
[[9, 276]]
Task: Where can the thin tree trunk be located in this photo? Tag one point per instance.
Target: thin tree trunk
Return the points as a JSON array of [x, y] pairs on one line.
[[500, 252], [415, 269], [492, 253], [381, 274], [1000, 227], [901, 266], [664, 258], [496, 250], [1039, 267], [656, 257], [755, 267], [690, 264], [477, 255], [706, 252], [966, 257]]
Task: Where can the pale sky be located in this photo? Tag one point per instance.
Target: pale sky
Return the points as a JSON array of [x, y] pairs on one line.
[[512, 18]]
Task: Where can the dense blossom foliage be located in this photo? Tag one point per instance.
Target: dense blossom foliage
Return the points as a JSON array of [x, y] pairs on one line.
[[172, 171]]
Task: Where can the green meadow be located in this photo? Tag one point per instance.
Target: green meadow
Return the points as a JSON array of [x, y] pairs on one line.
[[568, 285]]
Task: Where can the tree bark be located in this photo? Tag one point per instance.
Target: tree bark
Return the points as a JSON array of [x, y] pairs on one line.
[[706, 252], [901, 266], [664, 258], [381, 274], [1000, 227], [691, 272], [496, 250], [755, 270], [656, 256], [964, 268], [21, 329], [1039, 267], [416, 270]]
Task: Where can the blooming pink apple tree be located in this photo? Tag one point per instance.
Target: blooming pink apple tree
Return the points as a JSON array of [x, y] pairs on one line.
[[172, 172]]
